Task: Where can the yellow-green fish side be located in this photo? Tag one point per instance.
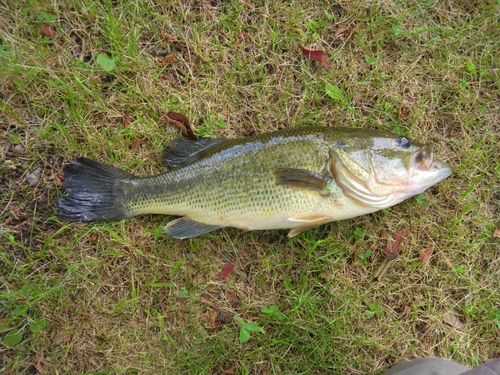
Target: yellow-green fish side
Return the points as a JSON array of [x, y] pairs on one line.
[[236, 182]]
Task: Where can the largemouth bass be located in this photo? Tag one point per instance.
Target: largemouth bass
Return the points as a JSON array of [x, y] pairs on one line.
[[296, 178]]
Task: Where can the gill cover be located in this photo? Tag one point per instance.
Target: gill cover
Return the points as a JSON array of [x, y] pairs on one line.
[[382, 171]]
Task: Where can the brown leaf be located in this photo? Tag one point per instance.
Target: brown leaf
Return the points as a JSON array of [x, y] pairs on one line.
[[227, 270], [14, 211], [170, 59], [47, 30], [233, 300], [356, 253], [209, 303], [59, 181], [60, 337], [317, 55], [382, 269], [425, 254], [181, 122], [453, 321], [39, 363], [343, 30], [496, 232], [127, 119], [213, 322], [136, 144], [224, 316], [392, 248], [404, 112], [264, 240], [229, 371], [170, 38], [208, 5]]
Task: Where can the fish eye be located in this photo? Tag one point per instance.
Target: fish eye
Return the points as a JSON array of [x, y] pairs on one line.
[[403, 141]]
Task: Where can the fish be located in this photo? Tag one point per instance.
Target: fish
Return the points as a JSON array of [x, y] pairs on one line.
[[293, 179]]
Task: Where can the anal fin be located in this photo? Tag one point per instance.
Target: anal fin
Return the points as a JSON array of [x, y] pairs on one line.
[[187, 228]]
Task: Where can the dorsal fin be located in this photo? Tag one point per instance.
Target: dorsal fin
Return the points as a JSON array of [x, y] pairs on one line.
[[182, 151]]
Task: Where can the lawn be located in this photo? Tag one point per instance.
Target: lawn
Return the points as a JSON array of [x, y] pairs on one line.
[[96, 79]]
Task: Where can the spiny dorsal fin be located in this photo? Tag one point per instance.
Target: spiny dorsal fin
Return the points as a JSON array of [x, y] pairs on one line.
[[182, 151], [302, 178]]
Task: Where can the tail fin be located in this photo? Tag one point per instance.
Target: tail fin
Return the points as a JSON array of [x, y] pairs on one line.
[[95, 192]]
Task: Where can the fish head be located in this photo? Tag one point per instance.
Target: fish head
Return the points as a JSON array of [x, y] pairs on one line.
[[381, 169]]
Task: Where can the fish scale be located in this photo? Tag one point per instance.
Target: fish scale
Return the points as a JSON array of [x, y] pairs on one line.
[[231, 188]]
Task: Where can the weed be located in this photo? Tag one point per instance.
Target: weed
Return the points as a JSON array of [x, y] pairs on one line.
[[273, 312], [246, 328], [373, 308], [365, 255], [107, 63]]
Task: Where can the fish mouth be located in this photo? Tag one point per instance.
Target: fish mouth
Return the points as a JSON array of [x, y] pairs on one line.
[[423, 161]]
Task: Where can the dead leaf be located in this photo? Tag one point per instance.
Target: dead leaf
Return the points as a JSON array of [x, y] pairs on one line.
[[263, 241], [39, 363], [392, 248], [233, 300], [356, 253], [317, 55], [59, 181], [404, 112], [496, 232], [213, 322], [343, 30], [208, 5], [170, 59], [181, 122], [209, 303], [227, 270], [60, 338], [382, 269], [136, 144], [127, 119], [425, 254], [229, 371], [224, 316], [241, 37], [170, 38], [453, 321], [14, 211], [47, 30]]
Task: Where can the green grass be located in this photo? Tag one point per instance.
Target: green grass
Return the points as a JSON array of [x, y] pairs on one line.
[[124, 298]]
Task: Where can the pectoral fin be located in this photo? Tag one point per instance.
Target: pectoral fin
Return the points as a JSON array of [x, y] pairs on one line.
[[308, 222], [302, 178], [187, 228]]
